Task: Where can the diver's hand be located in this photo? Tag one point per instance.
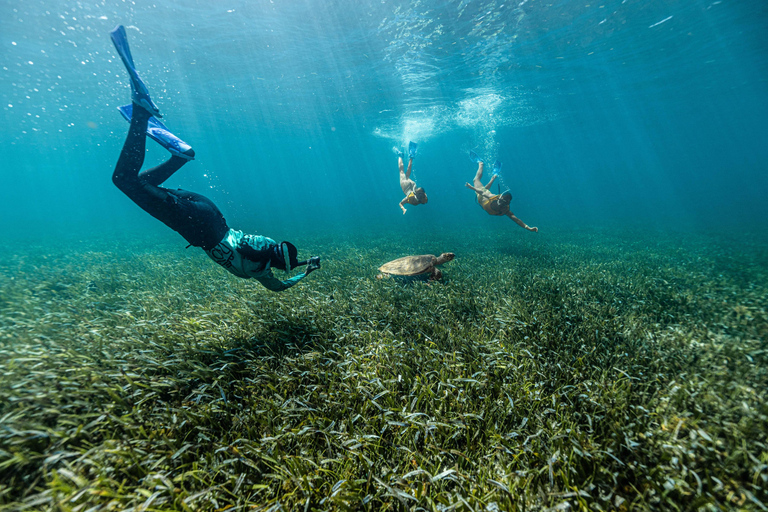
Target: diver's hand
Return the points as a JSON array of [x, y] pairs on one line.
[[314, 264], [529, 228]]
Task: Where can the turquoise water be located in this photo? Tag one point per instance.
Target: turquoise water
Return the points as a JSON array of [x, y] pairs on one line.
[[604, 113], [615, 360]]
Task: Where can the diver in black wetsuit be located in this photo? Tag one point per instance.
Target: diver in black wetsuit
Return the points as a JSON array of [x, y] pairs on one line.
[[192, 215]]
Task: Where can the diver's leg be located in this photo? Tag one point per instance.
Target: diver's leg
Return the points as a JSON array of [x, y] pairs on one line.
[[479, 176], [405, 183], [192, 215], [408, 172], [156, 176], [160, 134], [126, 174]]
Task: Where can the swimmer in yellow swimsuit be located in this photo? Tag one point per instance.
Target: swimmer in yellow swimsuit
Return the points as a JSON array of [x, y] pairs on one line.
[[493, 204], [413, 195]]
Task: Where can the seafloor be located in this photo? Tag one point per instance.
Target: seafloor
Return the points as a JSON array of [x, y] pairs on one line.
[[596, 369]]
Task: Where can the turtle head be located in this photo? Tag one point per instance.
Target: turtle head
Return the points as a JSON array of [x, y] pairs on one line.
[[444, 258]]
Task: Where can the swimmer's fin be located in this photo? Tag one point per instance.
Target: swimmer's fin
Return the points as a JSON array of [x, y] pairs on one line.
[[412, 149], [160, 134], [473, 156], [139, 91], [496, 168]]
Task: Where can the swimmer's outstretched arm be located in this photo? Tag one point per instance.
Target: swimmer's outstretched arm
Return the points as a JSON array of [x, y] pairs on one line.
[[521, 223], [402, 203]]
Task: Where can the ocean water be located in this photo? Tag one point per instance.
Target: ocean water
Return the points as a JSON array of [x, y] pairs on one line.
[[615, 360], [628, 113]]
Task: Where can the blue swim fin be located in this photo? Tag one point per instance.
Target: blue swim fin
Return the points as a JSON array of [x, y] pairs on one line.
[[160, 134], [139, 91], [473, 156], [412, 149], [496, 168]]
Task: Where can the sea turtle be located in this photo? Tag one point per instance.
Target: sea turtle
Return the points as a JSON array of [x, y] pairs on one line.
[[416, 267]]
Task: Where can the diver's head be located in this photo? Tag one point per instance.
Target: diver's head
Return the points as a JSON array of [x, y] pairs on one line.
[[506, 197], [420, 195], [282, 251]]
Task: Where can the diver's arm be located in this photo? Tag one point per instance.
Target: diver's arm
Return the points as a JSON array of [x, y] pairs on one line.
[[402, 203], [521, 223], [272, 283]]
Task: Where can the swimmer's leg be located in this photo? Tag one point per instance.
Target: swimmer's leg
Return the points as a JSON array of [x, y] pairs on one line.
[[405, 182], [479, 176]]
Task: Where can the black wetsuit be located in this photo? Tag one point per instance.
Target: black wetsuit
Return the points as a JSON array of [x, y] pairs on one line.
[[192, 215]]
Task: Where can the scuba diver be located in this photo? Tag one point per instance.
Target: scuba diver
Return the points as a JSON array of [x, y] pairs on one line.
[[497, 204], [413, 195], [192, 215]]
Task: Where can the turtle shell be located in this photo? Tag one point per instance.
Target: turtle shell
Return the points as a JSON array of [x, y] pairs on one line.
[[410, 265]]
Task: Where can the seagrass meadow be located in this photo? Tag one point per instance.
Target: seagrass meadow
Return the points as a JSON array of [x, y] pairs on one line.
[[568, 370]]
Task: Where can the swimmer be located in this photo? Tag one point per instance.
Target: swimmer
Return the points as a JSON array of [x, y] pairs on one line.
[[493, 204], [413, 195]]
